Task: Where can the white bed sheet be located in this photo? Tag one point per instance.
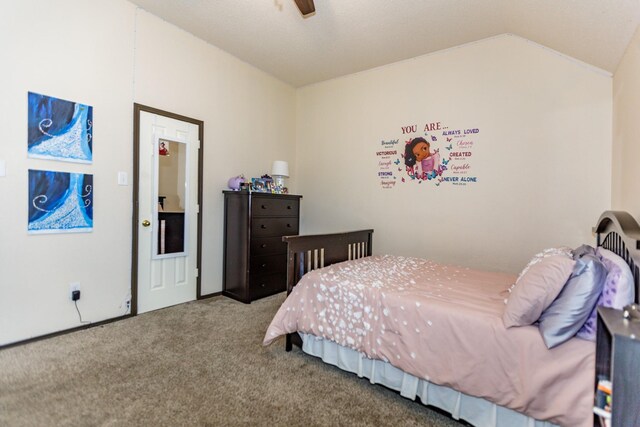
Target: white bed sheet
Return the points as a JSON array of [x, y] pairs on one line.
[[474, 410], [443, 324]]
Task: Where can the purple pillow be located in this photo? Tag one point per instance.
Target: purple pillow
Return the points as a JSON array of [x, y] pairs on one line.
[[571, 309], [618, 290], [536, 289]]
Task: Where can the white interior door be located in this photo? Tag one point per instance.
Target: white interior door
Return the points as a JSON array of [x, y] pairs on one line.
[[168, 197]]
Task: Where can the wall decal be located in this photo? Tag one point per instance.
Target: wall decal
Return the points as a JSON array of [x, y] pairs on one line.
[[433, 154], [59, 129], [60, 202]]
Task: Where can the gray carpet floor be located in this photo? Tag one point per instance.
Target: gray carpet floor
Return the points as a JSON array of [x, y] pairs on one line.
[[201, 364]]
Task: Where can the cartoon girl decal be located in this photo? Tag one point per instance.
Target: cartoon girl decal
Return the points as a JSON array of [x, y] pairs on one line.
[[418, 150]]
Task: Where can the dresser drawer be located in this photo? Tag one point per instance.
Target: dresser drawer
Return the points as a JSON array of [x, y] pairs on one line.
[[269, 284], [266, 227], [271, 206], [255, 257], [268, 264], [268, 246]]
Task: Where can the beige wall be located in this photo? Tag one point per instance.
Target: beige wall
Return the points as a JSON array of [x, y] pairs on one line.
[[544, 162], [542, 157], [626, 130], [79, 51], [249, 116], [109, 55]]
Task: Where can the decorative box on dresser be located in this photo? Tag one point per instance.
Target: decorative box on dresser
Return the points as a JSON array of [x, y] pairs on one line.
[[618, 359], [255, 257]]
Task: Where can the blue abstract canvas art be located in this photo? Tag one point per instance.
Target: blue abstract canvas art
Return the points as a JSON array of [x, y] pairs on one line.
[[60, 202], [59, 129]]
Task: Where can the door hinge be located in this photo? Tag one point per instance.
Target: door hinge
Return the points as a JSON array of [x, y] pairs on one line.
[[197, 272], [197, 208], [198, 144]]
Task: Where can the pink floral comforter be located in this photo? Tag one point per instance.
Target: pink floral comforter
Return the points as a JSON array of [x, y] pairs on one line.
[[444, 324]]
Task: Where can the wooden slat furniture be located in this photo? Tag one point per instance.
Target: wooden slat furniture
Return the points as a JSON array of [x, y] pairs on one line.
[[618, 339], [307, 253], [255, 260], [616, 231]]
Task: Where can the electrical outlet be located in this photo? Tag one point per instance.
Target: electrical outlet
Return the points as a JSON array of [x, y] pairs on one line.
[[126, 305], [73, 286]]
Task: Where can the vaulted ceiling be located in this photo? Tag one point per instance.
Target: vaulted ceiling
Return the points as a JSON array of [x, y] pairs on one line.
[[347, 36]]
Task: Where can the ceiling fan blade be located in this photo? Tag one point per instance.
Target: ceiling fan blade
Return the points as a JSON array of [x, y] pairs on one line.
[[306, 7]]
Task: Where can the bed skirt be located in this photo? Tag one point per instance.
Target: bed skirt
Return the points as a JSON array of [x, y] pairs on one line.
[[474, 410]]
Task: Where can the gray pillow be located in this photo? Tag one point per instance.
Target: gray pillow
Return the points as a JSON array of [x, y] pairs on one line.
[[571, 309], [583, 250], [618, 290]]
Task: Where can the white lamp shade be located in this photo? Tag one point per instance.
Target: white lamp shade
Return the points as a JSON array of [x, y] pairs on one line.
[[280, 168]]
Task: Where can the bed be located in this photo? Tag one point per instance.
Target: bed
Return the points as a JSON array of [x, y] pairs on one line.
[[382, 318]]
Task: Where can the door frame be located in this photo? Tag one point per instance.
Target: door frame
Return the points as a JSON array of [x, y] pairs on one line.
[[137, 109]]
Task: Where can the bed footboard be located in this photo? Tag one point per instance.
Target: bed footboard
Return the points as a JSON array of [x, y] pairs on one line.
[[307, 253]]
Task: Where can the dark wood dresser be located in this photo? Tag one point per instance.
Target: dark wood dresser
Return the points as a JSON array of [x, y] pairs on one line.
[[255, 257]]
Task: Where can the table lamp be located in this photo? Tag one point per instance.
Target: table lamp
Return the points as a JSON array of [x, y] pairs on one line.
[[279, 171]]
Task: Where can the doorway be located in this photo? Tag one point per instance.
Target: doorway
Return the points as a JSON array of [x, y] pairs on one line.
[[167, 217]]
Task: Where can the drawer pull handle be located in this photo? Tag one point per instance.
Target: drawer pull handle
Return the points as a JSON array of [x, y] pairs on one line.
[[264, 245], [263, 207], [288, 225], [263, 285], [264, 265], [288, 206], [263, 226]]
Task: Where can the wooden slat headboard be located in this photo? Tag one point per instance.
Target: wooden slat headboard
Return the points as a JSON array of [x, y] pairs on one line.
[[307, 253], [620, 233], [617, 231]]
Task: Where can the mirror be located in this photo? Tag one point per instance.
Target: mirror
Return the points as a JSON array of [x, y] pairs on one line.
[[170, 198]]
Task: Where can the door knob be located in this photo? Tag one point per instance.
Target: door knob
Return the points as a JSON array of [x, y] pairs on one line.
[[146, 223]]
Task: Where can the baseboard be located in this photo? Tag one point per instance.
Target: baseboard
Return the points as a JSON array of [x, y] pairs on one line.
[[64, 331], [215, 294], [79, 328]]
